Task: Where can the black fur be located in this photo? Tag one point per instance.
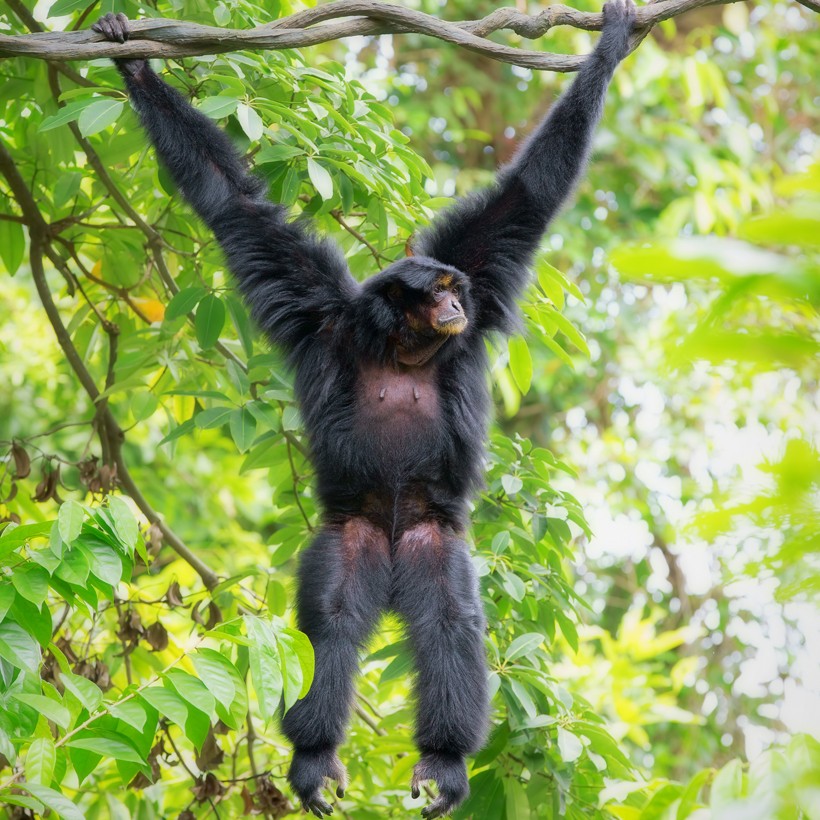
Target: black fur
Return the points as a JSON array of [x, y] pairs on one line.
[[397, 447]]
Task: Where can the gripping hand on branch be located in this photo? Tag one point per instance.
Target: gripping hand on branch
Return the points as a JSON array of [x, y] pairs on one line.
[[619, 22], [114, 27]]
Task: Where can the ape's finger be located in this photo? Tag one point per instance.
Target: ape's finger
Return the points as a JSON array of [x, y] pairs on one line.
[[123, 23]]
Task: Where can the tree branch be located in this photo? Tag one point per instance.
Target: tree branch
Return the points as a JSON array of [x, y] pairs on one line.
[[111, 435], [176, 38]]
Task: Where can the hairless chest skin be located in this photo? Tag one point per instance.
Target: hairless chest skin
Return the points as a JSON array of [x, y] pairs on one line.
[[391, 377]]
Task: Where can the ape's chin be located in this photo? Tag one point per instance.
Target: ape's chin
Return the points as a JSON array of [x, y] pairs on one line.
[[452, 327]]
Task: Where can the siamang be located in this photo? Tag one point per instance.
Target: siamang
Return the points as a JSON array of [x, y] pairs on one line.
[[391, 378]]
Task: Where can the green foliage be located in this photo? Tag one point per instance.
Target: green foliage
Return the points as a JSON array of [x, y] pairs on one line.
[[57, 721]]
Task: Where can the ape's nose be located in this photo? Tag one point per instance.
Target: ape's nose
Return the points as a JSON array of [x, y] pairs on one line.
[[454, 303]]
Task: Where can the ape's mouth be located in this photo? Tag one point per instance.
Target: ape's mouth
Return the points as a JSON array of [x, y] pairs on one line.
[[451, 325]]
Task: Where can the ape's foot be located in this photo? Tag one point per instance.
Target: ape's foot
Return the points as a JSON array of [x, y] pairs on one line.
[[449, 772], [307, 774]]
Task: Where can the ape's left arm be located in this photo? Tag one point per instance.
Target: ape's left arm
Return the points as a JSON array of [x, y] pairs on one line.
[[492, 236]]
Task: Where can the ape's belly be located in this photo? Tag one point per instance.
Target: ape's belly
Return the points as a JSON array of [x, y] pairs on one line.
[[398, 403]]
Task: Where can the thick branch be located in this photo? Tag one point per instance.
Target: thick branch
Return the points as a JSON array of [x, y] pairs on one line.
[[175, 38]]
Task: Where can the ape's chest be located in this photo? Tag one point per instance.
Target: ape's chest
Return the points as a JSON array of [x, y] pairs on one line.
[[398, 398]]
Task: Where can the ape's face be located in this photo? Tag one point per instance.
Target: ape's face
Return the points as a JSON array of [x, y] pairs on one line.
[[420, 304], [438, 309]]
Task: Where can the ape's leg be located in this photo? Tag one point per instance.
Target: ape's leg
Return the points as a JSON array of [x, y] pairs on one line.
[[344, 581], [436, 591]]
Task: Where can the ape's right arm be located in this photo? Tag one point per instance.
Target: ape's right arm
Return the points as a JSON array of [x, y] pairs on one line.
[[293, 282]]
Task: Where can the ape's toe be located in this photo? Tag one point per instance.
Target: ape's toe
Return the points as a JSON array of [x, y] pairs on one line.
[[449, 773], [318, 805]]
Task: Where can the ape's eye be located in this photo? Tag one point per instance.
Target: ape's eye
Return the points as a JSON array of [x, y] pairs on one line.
[[438, 289], [457, 291]]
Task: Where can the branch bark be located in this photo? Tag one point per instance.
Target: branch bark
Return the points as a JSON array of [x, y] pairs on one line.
[[345, 18]]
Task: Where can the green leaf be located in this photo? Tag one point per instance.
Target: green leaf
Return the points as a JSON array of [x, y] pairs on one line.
[[511, 484], [31, 581], [571, 332], [168, 703], [523, 697], [518, 807], [513, 586], [103, 561], [244, 329], [266, 670], [67, 113], [291, 419], [74, 569], [276, 597], [727, 785], [321, 179], [172, 705], [213, 417], [16, 536], [40, 759], [210, 319], [124, 521], [569, 746], [243, 428], [6, 599], [292, 678], [545, 270], [689, 797], [63, 7], [184, 302], [250, 121], [303, 649], [19, 648], [99, 115], [216, 672], [107, 747], [218, 107], [143, 405], [36, 618], [70, 520], [66, 189], [12, 245], [84, 762], [277, 153], [86, 691], [53, 800], [132, 712], [520, 363], [47, 707], [523, 645], [192, 689]]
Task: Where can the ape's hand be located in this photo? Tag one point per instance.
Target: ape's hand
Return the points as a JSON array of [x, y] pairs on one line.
[[619, 21], [114, 27]]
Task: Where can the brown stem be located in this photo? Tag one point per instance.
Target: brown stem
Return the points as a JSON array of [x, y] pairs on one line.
[[175, 38]]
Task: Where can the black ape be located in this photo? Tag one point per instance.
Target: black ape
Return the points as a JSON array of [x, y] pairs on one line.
[[391, 379]]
